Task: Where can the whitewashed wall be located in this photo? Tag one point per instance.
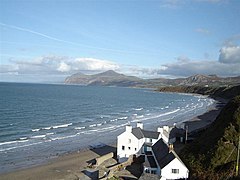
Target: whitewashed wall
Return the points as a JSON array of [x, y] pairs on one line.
[[166, 172]]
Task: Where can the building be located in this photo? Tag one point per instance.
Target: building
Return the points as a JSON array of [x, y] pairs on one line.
[[157, 149]]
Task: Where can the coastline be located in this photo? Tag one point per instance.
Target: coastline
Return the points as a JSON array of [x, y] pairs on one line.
[[71, 165]]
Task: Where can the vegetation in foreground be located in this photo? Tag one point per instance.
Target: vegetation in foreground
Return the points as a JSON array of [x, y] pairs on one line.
[[213, 154]]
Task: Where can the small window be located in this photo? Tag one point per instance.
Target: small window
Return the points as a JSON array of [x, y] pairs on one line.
[[147, 171], [153, 172], [150, 140], [175, 171], [123, 148], [135, 149], [129, 141], [129, 148]]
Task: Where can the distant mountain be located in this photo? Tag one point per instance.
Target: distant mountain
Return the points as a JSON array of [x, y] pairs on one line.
[[108, 78], [112, 78]]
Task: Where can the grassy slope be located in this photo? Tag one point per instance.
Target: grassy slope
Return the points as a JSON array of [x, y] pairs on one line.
[[213, 154], [223, 92]]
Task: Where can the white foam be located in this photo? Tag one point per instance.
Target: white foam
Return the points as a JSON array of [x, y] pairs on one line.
[[62, 126], [63, 137], [15, 147], [138, 109], [113, 120], [13, 142], [78, 128], [92, 125], [35, 130], [47, 128], [121, 118], [8, 142], [23, 138], [49, 134], [39, 136]]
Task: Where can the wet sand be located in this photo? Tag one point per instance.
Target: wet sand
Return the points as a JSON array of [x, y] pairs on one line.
[[68, 166]]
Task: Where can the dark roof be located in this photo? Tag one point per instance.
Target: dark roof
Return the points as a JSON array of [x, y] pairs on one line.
[[150, 162], [140, 133], [162, 153], [160, 150], [176, 132], [166, 160]]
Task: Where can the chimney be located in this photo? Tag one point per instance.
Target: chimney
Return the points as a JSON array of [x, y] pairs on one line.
[[160, 130], [129, 128], [170, 147], [140, 125], [166, 128]]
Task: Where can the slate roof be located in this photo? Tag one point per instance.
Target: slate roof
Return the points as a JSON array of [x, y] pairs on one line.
[[162, 154], [140, 133], [176, 132], [160, 150], [150, 162]]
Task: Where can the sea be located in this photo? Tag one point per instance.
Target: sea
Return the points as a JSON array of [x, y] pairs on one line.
[[39, 122]]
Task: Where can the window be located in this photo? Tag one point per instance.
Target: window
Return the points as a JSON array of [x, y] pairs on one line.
[[175, 171], [129, 141], [135, 149], [123, 148], [153, 172], [147, 171], [129, 148], [150, 140]]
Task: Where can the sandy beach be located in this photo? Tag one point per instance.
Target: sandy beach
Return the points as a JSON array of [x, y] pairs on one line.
[[70, 166]]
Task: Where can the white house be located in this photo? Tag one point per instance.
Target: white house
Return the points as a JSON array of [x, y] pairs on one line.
[[168, 162], [160, 158], [135, 141]]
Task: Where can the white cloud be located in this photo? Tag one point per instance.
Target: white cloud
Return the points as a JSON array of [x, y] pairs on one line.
[[92, 64], [184, 67], [230, 55], [57, 65], [63, 67]]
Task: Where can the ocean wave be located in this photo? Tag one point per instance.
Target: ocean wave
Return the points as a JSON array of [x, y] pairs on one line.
[[158, 116], [15, 147], [141, 116], [13, 142], [138, 109], [38, 136], [63, 137], [47, 128], [113, 120], [92, 125], [78, 128], [35, 130], [23, 138], [47, 134], [62, 126], [122, 118]]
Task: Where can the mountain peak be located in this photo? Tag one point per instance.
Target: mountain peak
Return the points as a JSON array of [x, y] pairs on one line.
[[109, 73]]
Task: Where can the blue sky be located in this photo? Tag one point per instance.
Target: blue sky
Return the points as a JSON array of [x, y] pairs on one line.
[[48, 40]]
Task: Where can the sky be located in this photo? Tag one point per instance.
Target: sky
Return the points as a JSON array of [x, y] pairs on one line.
[[48, 40]]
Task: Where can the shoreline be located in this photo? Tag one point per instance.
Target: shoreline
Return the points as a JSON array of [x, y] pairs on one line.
[[70, 165]]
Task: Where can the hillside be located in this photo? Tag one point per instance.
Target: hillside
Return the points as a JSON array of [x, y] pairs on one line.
[[223, 92], [108, 78], [111, 78], [213, 154]]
